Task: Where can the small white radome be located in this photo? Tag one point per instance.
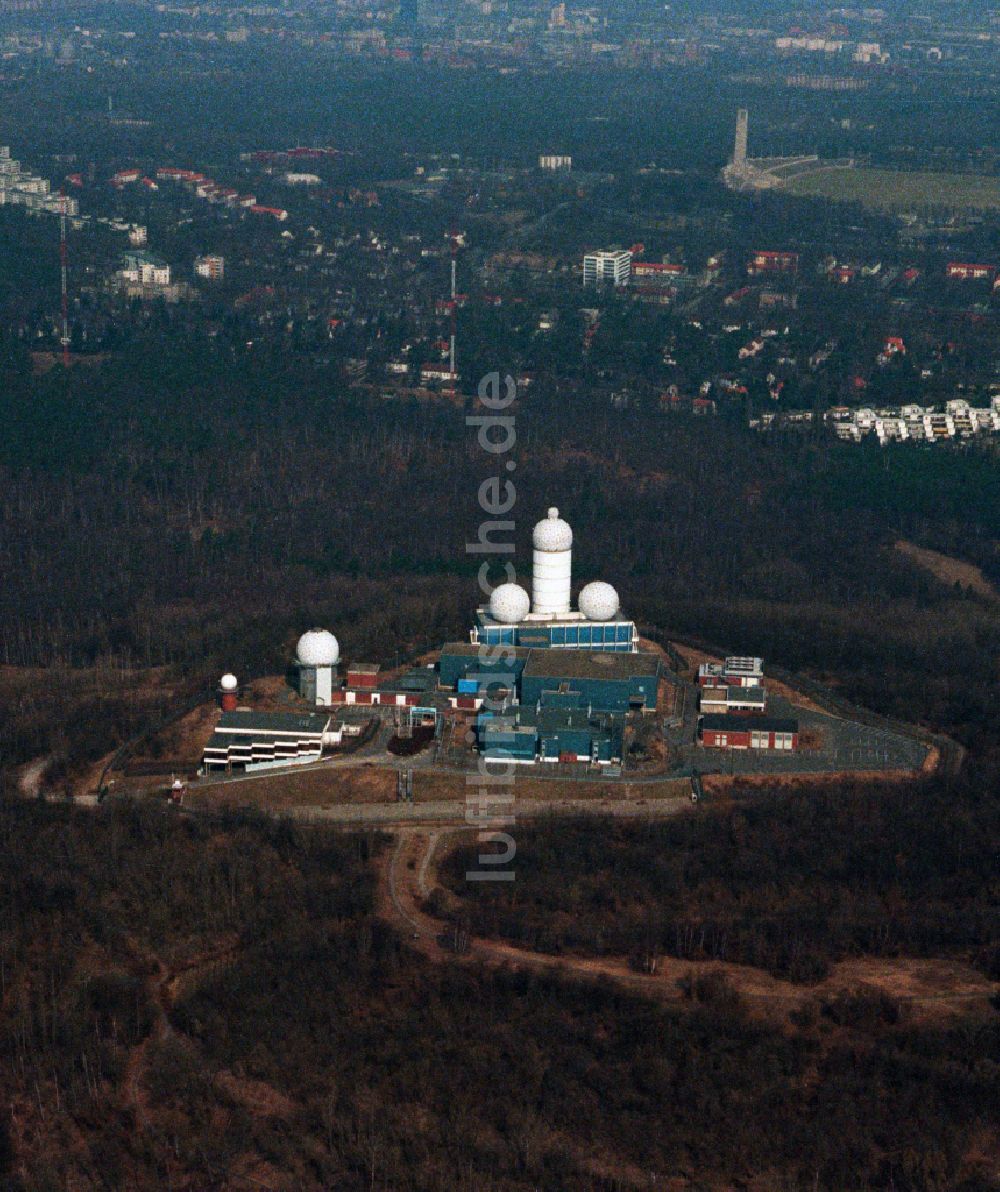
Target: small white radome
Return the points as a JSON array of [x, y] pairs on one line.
[[509, 603], [318, 647], [598, 601], [228, 682]]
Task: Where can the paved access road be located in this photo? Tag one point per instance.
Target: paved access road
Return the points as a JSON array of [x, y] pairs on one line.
[[453, 811]]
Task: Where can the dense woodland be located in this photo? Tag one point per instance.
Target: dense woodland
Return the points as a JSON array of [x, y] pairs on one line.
[[787, 882], [305, 1047]]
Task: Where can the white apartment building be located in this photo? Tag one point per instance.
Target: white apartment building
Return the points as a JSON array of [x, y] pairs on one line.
[[600, 268], [211, 266]]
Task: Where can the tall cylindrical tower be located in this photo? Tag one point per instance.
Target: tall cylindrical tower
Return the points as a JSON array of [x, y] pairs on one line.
[[552, 566]]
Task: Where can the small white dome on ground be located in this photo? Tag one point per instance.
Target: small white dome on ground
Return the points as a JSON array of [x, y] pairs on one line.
[[318, 647], [509, 603], [228, 682], [599, 601], [552, 533]]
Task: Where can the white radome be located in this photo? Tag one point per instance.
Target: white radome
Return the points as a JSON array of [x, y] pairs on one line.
[[228, 682], [552, 533], [509, 603], [599, 601], [318, 647]]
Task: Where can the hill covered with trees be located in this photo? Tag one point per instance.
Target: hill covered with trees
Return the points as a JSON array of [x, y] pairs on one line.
[[211, 1003]]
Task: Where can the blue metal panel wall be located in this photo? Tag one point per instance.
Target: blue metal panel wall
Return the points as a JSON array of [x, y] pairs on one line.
[[457, 666]]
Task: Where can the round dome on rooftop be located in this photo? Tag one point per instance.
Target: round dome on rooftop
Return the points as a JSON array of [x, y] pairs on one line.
[[552, 533], [598, 601], [228, 682], [509, 603]]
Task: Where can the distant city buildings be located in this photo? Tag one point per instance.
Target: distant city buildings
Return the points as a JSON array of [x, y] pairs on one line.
[[20, 187], [911, 423], [146, 276], [613, 267], [773, 262], [555, 161], [915, 423]]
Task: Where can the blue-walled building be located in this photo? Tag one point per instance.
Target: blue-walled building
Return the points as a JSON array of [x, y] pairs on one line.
[[572, 632], [595, 681], [493, 667], [602, 682], [551, 734]]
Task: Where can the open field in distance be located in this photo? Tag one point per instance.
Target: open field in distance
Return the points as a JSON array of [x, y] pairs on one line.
[[898, 189]]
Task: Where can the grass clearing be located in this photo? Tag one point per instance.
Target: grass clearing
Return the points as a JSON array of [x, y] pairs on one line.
[[948, 569], [895, 190]]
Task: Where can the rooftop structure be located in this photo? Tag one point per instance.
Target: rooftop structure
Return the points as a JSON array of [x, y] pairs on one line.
[[733, 672], [547, 618]]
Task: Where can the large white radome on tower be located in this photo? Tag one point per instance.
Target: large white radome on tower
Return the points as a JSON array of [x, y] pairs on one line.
[[509, 603], [599, 601], [552, 533], [318, 647], [229, 682], [552, 566]]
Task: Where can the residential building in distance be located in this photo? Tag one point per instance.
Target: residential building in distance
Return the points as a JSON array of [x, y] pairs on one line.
[[211, 267], [957, 271], [145, 268], [613, 266], [555, 161], [915, 423], [21, 188], [773, 262]]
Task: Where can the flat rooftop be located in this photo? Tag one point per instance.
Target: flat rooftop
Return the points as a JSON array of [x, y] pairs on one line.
[[728, 723], [746, 695], [472, 650], [590, 664], [545, 620], [273, 722]]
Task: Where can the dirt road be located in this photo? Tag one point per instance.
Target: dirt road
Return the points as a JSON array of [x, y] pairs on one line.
[[933, 989]]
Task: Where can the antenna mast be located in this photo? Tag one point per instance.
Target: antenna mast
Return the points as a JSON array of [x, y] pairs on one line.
[[454, 302], [64, 269]]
